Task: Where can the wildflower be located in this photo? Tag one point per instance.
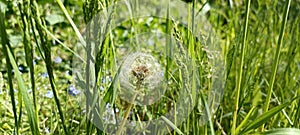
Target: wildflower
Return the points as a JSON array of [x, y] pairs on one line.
[[106, 79], [45, 75], [101, 88], [73, 91], [47, 131], [109, 114], [23, 69], [58, 60], [49, 94], [29, 91]]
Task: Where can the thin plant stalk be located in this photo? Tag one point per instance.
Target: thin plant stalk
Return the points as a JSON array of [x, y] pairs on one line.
[[140, 79], [5, 44], [49, 65], [62, 7], [28, 48], [240, 76], [277, 56], [120, 129]]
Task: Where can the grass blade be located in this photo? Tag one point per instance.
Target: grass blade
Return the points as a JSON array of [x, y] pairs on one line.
[[240, 76], [266, 117], [28, 48], [244, 122], [207, 111], [277, 55], [28, 104], [46, 47], [283, 131], [62, 7], [172, 125], [5, 44]]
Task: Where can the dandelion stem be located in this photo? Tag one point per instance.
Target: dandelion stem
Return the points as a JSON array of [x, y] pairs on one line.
[[126, 114], [138, 84]]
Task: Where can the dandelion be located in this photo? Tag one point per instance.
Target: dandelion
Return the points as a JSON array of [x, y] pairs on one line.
[[140, 75], [143, 71]]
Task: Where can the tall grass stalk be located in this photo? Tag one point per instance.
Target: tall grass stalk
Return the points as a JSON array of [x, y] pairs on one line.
[[46, 52], [62, 7], [240, 75], [5, 44], [28, 104], [277, 56], [28, 48]]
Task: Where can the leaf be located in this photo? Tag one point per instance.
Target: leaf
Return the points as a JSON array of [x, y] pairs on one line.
[[283, 131], [53, 19], [172, 125], [265, 117], [3, 6], [28, 104], [244, 122]]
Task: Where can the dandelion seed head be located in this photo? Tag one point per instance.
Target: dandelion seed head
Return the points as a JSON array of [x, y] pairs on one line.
[[144, 70]]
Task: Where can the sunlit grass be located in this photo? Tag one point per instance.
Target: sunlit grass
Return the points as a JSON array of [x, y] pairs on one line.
[[260, 46]]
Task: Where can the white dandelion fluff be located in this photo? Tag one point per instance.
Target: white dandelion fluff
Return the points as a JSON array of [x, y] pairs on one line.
[[141, 70]]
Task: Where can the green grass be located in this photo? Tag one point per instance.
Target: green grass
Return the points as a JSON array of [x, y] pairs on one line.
[[258, 64]]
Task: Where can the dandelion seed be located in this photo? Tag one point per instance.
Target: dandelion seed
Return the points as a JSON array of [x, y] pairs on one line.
[[140, 66], [141, 73]]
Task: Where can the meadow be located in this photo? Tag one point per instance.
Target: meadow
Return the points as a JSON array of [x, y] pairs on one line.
[[149, 67]]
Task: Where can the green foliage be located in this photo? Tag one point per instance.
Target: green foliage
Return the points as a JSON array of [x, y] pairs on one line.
[[260, 45]]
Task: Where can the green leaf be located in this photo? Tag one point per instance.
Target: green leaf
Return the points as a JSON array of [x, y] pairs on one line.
[[283, 131], [28, 103], [172, 125], [265, 117], [54, 19], [3, 7], [245, 120]]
